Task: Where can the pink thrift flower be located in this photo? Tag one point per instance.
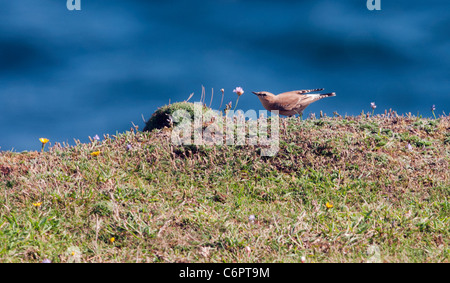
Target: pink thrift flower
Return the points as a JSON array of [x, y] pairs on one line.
[[239, 91]]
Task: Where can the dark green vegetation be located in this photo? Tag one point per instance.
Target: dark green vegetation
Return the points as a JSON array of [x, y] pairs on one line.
[[163, 116], [156, 202]]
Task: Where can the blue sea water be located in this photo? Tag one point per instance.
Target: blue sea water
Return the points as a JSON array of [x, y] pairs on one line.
[[67, 75]]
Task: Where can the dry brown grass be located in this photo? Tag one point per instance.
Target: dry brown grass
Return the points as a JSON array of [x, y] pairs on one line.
[[166, 203]]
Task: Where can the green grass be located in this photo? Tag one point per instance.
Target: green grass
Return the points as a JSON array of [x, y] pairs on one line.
[[166, 203]]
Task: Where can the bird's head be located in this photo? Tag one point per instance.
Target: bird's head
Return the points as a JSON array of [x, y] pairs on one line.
[[262, 93]]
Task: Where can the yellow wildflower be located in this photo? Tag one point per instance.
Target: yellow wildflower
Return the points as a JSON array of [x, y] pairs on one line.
[[37, 204], [328, 205], [95, 153], [43, 141], [112, 240]]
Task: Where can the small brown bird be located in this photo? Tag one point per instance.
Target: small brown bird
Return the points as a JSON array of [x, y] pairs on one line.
[[291, 102]]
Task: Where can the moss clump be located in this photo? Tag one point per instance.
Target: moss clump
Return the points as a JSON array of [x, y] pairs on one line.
[[161, 117]]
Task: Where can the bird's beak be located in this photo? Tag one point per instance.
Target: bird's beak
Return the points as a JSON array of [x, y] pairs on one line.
[[257, 93]]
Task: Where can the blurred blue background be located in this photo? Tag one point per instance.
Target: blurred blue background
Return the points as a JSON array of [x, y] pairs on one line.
[[73, 74]]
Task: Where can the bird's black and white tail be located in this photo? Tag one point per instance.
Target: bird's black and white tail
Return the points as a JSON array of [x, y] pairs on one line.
[[321, 95], [308, 90]]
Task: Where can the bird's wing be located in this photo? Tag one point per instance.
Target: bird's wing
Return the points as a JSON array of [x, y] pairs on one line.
[[302, 91], [287, 101]]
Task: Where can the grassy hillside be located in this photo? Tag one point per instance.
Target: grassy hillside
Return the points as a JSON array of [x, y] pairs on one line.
[[341, 189]]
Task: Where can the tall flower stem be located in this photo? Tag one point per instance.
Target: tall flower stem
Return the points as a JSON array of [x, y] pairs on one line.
[[239, 91], [221, 101], [237, 100]]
